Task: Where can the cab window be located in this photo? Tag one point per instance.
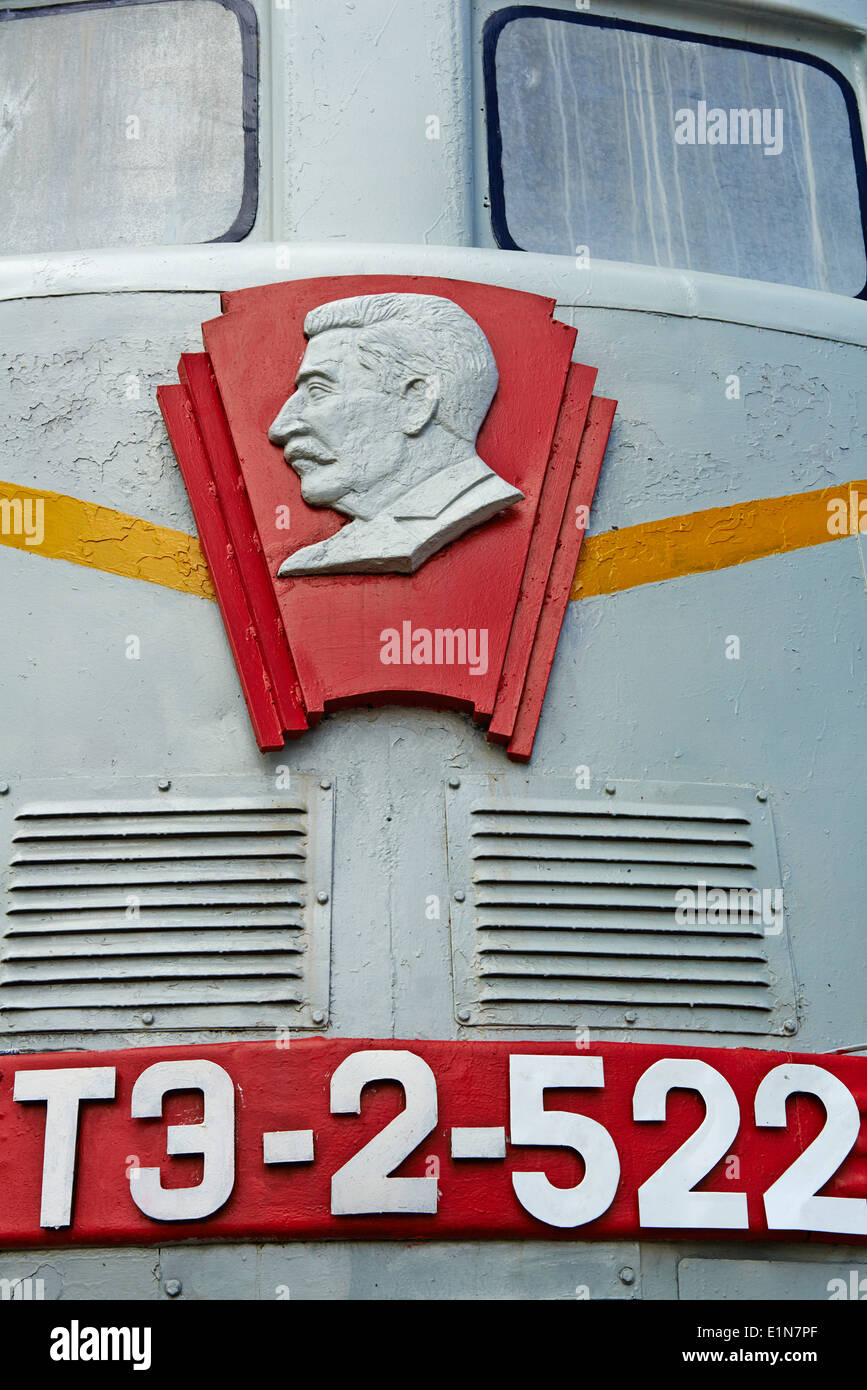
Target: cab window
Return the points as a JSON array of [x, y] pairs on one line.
[[125, 123], [627, 142]]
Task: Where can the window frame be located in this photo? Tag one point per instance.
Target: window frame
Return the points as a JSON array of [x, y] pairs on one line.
[[248, 24], [497, 22]]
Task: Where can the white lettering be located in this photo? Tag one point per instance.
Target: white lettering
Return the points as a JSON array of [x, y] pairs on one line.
[[214, 1138], [77, 1343], [63, 1089], [442, 646], [739, 126]]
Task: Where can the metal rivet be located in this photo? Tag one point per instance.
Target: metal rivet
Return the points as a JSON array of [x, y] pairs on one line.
[[4, 787], [454, 782], [631, 1016], [460, 895], [325, 784], [610, 788], [322, 897], [318, 1016], [147, 1018], [790, 1026], [463, 1015], [761, 796], [164, 784], [173, 1287], [627, 1275]]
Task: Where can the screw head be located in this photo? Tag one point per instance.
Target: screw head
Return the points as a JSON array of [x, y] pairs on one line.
[[460, 895], [173, 1287], [463, 1015], [147, 1019], [322, 897], [627, 1275], [631, 1016], [318, 1016], [325, 784], [790, 1026], [610, 788], [164, 783], [4, 788], [454, 782], [761, 796]]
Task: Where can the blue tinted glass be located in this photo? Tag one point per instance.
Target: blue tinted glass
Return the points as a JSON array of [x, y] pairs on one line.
[[670, 152]]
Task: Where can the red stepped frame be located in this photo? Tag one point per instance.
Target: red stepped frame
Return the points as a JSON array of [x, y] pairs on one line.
[[309, 644]]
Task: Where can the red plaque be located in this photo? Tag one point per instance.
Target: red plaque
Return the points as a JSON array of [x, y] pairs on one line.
[[470, 618], [351, 1139]]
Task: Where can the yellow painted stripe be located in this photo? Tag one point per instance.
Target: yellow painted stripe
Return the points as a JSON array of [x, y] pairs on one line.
[[102, 539], [709, 540]]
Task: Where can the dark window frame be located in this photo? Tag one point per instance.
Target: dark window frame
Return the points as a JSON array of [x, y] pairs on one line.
[[248, 23], [496, 23]]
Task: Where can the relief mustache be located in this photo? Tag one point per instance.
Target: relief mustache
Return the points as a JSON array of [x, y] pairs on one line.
[[306, 448]]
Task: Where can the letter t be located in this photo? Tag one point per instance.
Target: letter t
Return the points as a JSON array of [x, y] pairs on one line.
[[64, 1088]]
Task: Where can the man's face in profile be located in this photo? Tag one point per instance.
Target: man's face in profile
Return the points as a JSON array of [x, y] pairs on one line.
[[340, 431]]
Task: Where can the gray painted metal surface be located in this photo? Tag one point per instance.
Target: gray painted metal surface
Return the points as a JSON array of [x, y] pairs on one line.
[[79, 397], [777, 1280], [79, 1274], [301, 1271], [655, 654], [336, 1271], [177, 906], [641, 687], [692, 295], [570, 910]]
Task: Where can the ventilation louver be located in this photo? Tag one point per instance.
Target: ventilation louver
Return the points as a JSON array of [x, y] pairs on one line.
[[178, 912], [569, 913]]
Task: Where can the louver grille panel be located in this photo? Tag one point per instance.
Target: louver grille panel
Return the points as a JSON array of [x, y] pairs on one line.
[[200, 913], [569, 914]]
